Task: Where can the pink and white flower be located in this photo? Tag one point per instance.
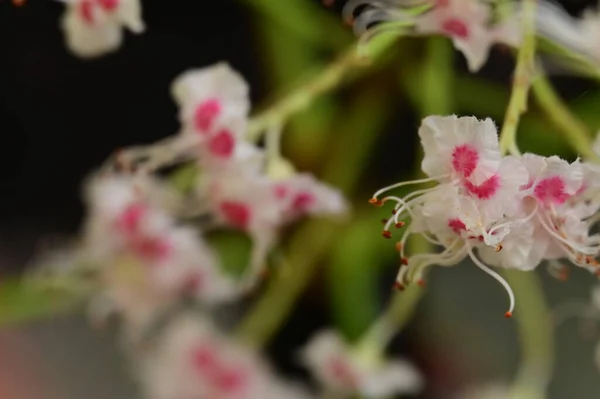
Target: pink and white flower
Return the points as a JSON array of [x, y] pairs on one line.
[[194, 360], [342, 371], [467, 22], [145, 260], [95, 27]]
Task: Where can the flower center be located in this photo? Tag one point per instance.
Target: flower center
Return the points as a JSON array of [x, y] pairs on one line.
[[457, 226], [222, 144], [485, 190], [464, 159], [455, 27], [551, 190], [205, 115], [237, 213]]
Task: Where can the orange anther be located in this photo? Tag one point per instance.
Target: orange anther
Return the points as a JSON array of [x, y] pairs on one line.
[[387, 234], [404, 261], [421, 283], [400, 224], [399, 286], [398, 246], [508, 315]]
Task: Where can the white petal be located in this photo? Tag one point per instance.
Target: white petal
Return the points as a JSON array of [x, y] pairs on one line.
[[396, 377]]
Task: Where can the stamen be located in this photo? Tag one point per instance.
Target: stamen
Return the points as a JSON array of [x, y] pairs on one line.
[[406, 183], [387, 234], [497, 277], [583, 250]]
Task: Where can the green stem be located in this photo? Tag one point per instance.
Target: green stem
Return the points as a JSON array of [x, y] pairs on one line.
[[535, 333], [328, 79], [521, 82], [576, 132]]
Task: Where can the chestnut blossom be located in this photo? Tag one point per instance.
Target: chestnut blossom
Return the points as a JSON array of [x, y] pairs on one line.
[[242, 199], [578, 34], [214, 106], [503, 211], [191, 359], [343, 372], [146, 261], [95, 27], [467, 22]]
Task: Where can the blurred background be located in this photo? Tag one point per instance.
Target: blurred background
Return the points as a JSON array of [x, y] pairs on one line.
[[60, 117]]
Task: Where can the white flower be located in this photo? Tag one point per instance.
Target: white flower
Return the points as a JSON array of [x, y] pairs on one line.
[[466, 22], [146, 261], [95, 27], [341, 371], [214, 107], [193, 360], [242, 199]]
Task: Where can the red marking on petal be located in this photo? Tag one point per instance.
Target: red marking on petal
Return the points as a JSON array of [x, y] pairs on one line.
[[237, 214], [193, 283], [485, 190], [465, 159], [231, 381], [86, 11], [109, 5], [222, 144], [457, 226], [152, 249], [205, 115], [281, 191], [303, 201], [455, 27], [342, 372], [130, 219], [204, 359], [551, 190]]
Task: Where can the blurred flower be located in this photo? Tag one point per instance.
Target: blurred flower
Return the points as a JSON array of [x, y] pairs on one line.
[[469, 23], [193, 360], [94, 27], [343, 372], [146, 261]]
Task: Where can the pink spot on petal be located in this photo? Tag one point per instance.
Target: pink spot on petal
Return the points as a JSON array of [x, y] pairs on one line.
[[86, 11], [109, 5], [342, 372], [485, 190], [205, 115], [303, 201], [194, 282], [231, 381], [281, 191], [551, 190], [455, 27], [222, 144], [204, 359], [236, 213], [457, 226], [130, 219], [464, 159], [152, 249]]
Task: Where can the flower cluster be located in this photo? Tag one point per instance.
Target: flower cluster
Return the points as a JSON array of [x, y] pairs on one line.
[[192, 359], [505, 211], [144, 240], [342, 370], [95, 27], [473, 25]]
